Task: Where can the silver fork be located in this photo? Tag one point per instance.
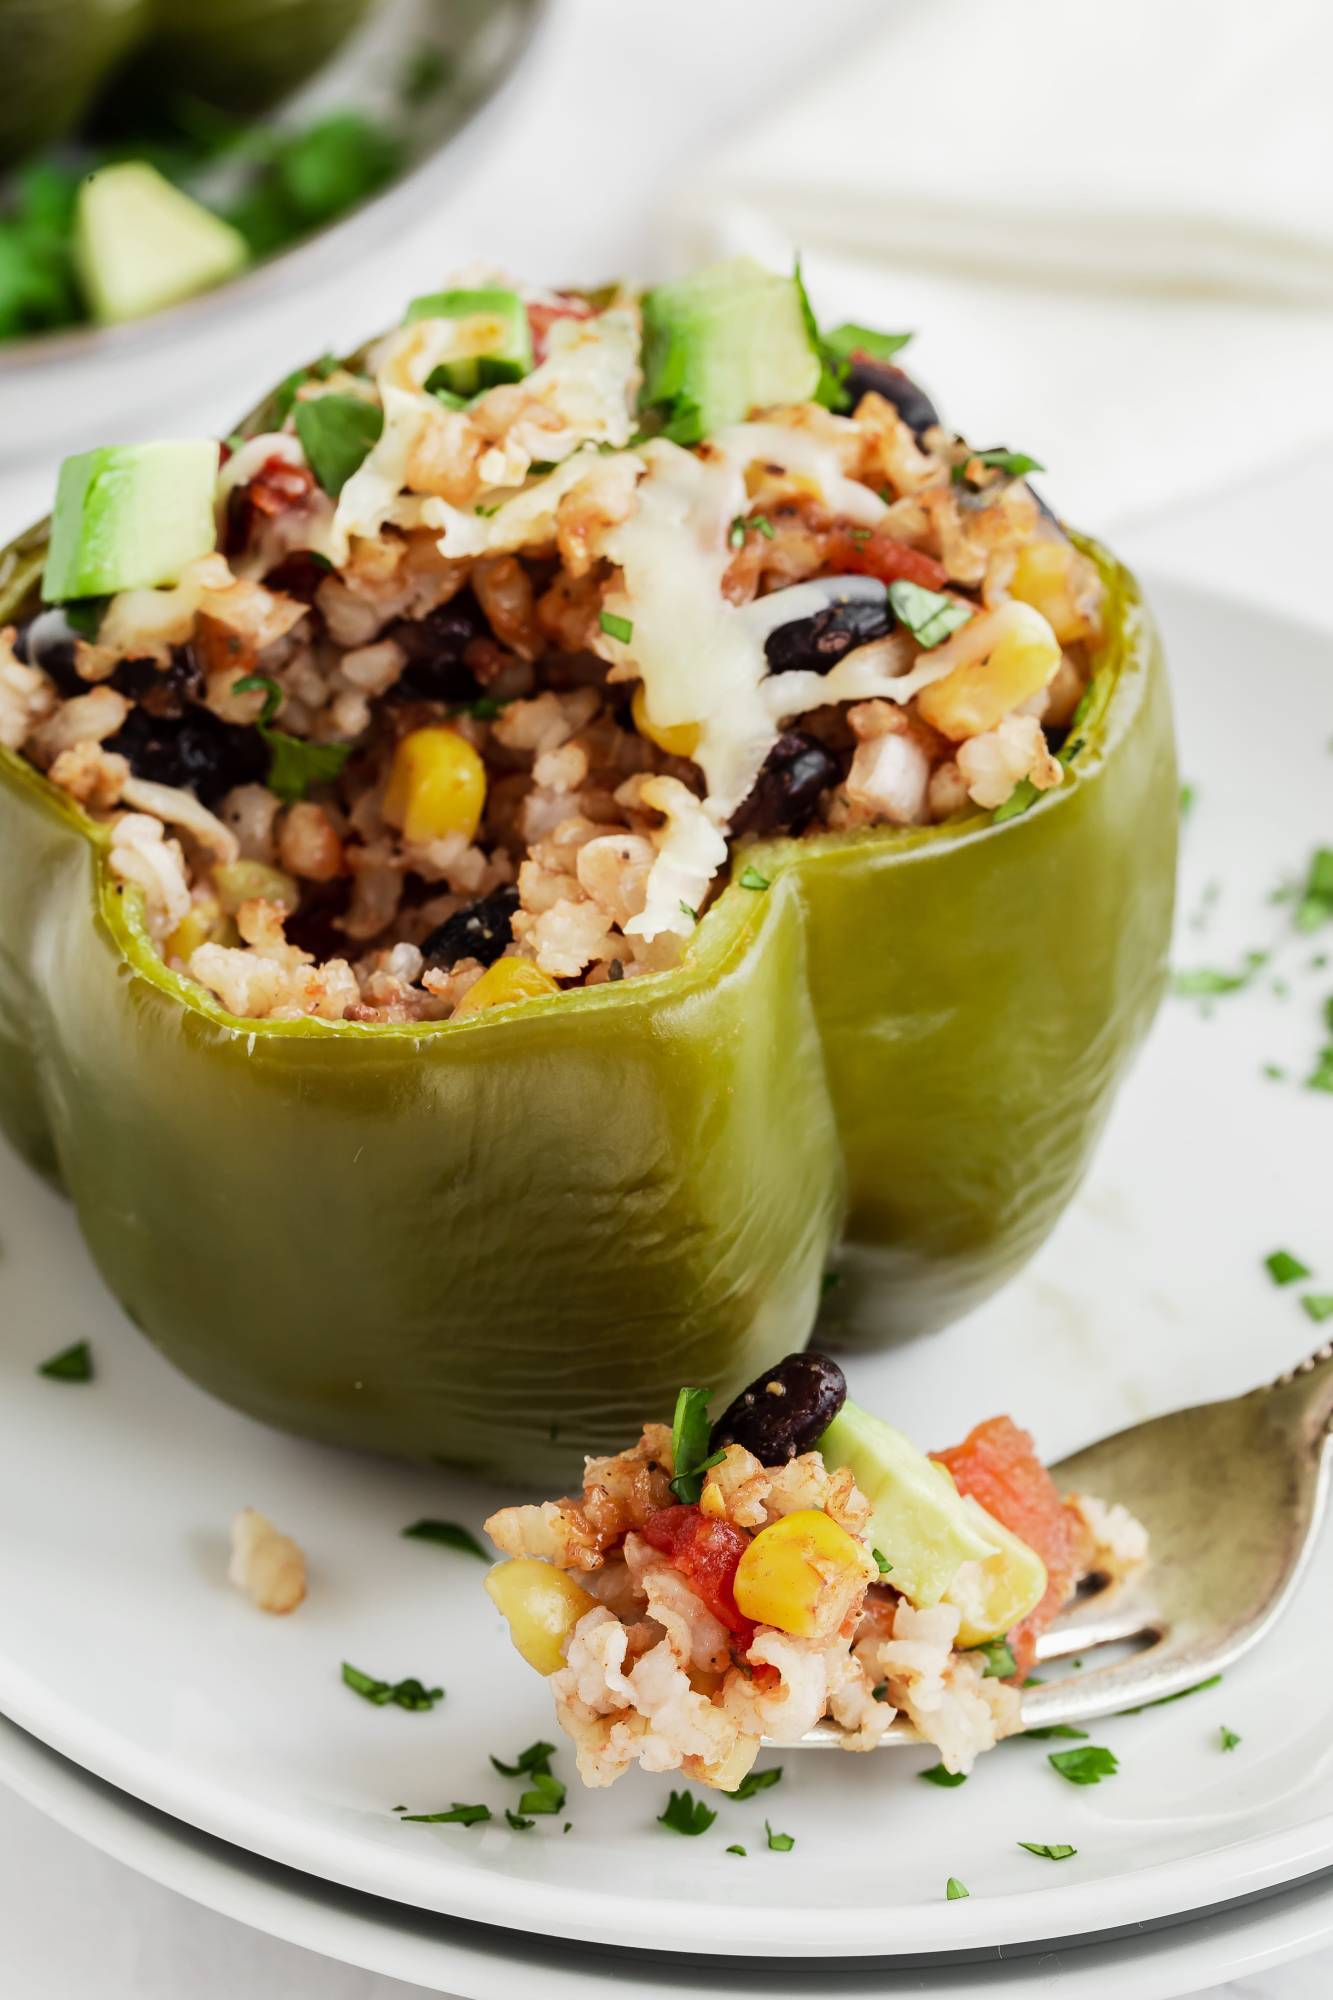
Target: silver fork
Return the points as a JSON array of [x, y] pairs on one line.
[[1232, 1495]]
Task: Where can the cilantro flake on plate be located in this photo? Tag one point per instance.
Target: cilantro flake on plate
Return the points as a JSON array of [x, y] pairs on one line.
[[735, 1848], [781, 1843], [1087, 1766], [1227, 1738], [756, 1781], [448, 1534], [458, 1815], [955, 1891], [72, 1364], [1318, 1306], [937, 1775], [1283, 1268], [409, 1694], [1047, 1852], [686, 1814], [1000, 1662], [537, 1757]]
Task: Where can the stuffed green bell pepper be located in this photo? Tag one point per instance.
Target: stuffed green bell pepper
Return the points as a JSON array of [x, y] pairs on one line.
[[569, 830]]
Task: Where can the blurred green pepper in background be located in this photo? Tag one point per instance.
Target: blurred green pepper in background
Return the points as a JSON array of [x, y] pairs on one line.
[[502, 1240]]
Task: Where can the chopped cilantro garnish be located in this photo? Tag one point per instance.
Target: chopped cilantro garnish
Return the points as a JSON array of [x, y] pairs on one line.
[[686, 1814], [955, 1891], [1084, 1767], [1284, 1269], [880, 1691], [284, 396], [1318, 1306], [409, 1694], [1013, 463], [1000, 1662], [756, 1781], [735, 1849], [1213, 1680], [1187, 798], [937, 1775], [487, 707], [261, 684], [687, 911], [929, 615], [882, 1563], [781, 1843], [537, 1757], [1205, 983], [517, 1821], [690, 1457], [487, 512], [458, 1815], [546, 1794], [1227, 1738], [1321, 1076], [736, 533], [1316, 904], [616, 627], [337, 433], [750, 878], [741, 526], [848, 339], [1059, 1853], [72, 1364], [448, 1534], [1053, 1729], [293, 764]]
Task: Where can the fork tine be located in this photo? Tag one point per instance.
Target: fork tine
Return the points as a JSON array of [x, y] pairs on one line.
[[1099, 1619]]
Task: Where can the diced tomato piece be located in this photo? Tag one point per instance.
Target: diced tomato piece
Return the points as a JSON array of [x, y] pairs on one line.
[[857, 553], [278, 485], [542, 317], [997, 1464], [706, 1554]]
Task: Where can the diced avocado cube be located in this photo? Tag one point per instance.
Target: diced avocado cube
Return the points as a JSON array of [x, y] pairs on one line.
[[130, 515], [927, 1531], [140, 244], [728, 340], [492, 341]]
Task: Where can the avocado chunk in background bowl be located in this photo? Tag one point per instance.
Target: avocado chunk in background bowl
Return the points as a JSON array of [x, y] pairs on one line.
[[499, 1240]]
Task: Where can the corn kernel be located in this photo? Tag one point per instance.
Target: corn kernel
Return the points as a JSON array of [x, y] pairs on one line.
[[205, 923], [711, 1501], [678, 739], [505, 983], [800, 1574], [1004, 658], [437, 785], [542, 1605], [1063, 585]]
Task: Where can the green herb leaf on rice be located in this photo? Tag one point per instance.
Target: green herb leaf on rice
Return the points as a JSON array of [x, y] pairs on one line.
[[1015, 464], [337, 433], [686, 1814], [616, 627], [293, 764], [72, 1364], [1000, 1662], [448, 1535], [690, 1456], [929, 615]]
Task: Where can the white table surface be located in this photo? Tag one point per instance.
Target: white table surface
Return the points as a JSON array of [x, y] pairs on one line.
[[75, 1925]]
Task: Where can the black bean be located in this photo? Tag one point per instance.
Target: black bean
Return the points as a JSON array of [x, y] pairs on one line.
[[818, 643], [199, 751], [895, 385], [479, 930], [435, 645], [785, 1411], [786, 794], [165, 692], [48, 642]]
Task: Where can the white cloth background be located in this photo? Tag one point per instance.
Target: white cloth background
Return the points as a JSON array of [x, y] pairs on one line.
[[630, 103], [1112, 224]]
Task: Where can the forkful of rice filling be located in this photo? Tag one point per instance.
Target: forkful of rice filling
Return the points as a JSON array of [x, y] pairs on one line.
[[797, 1563]]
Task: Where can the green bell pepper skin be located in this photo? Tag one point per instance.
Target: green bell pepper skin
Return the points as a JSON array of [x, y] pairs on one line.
[[501, 1240]]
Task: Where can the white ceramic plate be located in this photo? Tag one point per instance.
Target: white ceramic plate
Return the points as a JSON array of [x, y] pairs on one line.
[[476, 1962], [123, 1647]]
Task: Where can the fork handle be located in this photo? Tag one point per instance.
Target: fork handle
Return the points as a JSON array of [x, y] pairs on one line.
[[1307, 1393]]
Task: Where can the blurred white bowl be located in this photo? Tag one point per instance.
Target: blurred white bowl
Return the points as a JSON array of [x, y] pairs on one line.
[[94, 385]]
